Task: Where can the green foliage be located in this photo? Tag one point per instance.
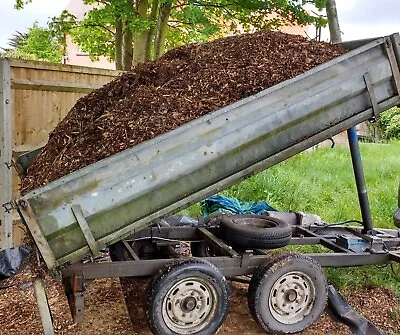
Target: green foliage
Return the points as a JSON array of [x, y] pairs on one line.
[[17, 54], [190, 21], [322, 182], [95, 34], [16, 40], [19, 4], [395, 314], [389, 123], [37, 44], [365, 277], [393, 130]]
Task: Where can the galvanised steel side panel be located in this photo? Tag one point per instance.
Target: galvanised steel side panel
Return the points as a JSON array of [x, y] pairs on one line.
[[127, 191]]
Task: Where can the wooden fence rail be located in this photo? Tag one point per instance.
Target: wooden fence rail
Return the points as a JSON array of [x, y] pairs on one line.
[[34, 98]]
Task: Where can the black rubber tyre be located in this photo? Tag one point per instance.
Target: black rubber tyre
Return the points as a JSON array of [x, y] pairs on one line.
[[201, 249], [288, 293], [188, 296], [255, 231], [117, 253]]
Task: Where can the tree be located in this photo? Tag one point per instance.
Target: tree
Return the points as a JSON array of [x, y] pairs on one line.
[[37, 44], [135, 31], [333, 21], [16, 40]]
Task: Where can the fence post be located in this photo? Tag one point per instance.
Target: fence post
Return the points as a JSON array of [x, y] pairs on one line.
[[5, 154]]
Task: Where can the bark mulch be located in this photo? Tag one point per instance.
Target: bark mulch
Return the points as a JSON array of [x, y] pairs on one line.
[[159, 96]]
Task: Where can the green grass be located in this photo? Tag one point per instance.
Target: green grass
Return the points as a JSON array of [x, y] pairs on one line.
[[322, 182]]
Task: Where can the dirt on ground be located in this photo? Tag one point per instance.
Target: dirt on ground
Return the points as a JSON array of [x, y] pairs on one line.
[[157, 97], [117, 306]]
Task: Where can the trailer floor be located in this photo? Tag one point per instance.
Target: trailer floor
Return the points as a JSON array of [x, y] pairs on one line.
[[107, 313]]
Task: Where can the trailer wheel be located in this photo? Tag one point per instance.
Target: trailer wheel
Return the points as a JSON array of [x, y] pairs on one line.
[[255, 231], [187, 297], [288, 293]]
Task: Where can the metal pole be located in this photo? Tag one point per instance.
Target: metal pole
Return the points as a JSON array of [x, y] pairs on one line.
[[360, 180], [5, 154]]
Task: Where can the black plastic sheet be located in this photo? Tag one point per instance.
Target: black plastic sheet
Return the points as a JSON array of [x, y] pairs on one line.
[[11, 260], [344, 313]]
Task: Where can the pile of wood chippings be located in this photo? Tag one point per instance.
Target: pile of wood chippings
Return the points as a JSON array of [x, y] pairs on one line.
[[159, 96]]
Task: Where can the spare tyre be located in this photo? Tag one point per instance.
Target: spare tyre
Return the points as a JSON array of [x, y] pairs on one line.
[[254, 231]]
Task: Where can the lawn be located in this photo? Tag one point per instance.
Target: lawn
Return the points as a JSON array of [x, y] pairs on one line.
[[321, 181]]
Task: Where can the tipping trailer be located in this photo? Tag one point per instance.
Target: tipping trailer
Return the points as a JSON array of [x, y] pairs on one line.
[[122, 196]]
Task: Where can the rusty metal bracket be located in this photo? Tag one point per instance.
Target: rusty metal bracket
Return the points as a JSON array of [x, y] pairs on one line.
[[131, 251], [83, 224], [370, 88], [217, 244], [74, 288], [393, 64]]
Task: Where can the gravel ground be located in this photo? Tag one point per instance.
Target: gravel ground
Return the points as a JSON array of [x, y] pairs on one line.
[[116, 306]]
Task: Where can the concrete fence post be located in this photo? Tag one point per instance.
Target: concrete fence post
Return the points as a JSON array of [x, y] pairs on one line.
[[5, 155]]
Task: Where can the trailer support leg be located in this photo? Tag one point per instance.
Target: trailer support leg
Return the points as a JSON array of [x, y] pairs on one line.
[[360, 180], [74, 289]]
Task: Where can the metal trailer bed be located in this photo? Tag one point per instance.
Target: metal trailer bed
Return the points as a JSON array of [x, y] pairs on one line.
[[122, 196]]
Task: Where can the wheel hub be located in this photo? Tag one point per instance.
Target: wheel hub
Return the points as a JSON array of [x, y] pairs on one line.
[[292, 297], [189, 305]]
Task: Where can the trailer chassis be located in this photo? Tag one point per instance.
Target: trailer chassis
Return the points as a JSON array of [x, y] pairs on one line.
[[346, 247]]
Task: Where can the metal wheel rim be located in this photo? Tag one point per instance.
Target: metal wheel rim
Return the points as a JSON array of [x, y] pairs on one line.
[[190, 305], [292, 297]]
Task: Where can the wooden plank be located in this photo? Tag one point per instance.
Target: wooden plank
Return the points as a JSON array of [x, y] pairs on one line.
[[54, 86], [32, 119], [5, 154], [63, 68]]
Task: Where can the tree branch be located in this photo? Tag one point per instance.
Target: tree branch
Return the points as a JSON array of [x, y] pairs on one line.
[[93, 25]]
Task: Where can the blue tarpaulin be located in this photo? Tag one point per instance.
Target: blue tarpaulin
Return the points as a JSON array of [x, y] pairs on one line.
[[220, 203]]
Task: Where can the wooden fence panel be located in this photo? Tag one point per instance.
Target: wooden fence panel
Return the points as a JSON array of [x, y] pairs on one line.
[[43, 95], [40, 96]]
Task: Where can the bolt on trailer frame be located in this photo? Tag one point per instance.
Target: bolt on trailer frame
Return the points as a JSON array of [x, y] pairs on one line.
[[73, 217]]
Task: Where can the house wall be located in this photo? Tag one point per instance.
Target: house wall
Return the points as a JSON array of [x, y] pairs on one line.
[[76, 57]]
